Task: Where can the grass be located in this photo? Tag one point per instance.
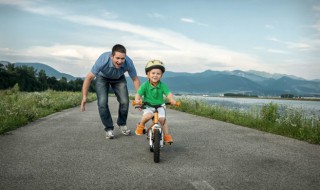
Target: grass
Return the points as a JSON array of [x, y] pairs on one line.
[[293, 123], [19, 108]]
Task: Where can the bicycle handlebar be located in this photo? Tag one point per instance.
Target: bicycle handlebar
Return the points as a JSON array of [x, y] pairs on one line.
[[143, 104]]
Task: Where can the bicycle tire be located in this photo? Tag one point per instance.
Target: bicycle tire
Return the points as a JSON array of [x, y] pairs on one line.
[[156, 145]]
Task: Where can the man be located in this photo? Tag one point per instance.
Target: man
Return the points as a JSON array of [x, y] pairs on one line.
[[109, 71]]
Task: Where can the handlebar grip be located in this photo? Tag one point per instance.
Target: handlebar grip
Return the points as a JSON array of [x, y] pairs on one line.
[[178, 103], [136, 104]]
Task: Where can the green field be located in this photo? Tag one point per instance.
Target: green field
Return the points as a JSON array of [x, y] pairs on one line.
[[19, 108]]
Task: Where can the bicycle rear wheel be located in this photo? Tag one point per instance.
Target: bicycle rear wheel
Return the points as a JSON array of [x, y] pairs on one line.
[[156, 145]]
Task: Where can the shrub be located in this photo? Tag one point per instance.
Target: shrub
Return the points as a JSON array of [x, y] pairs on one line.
[[269, 112]]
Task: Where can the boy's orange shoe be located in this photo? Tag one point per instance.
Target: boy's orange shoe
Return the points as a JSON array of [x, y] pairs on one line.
[[168, 138], [139, 129]]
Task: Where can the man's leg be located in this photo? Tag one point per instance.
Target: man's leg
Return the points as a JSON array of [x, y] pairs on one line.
[[121, 91], [102, 90]]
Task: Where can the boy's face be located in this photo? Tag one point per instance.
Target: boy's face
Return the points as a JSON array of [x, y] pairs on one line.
[[118, 59], [155, 75]]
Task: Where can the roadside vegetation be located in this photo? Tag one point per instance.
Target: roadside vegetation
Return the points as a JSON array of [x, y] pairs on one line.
[[19, 108], [293, 123]]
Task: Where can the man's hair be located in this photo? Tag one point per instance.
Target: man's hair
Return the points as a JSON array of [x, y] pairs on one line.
[[118, 48]]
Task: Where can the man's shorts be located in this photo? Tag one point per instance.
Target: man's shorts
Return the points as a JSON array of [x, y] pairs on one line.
[[161, 111]]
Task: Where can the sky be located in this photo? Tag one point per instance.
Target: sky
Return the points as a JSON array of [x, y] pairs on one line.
[[274, 36]]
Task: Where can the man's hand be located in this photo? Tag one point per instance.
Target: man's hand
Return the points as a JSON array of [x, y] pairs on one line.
[[85, 87], [83, 104]]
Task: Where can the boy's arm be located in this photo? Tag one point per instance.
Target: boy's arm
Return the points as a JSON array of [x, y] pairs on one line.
[[171, 99]]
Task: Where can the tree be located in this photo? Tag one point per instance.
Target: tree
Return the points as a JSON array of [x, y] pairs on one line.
[[30, 80], [53, 83], [8, 76], [27, 79], [43, 79]]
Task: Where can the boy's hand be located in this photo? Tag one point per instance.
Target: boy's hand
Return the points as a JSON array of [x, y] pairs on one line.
[[173, 102], [137, 101]]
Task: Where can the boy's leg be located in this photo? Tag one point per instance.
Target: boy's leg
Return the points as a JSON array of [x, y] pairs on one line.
[[145, 118], [167, 136], [163, 122]]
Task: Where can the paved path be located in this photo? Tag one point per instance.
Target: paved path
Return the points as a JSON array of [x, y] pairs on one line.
[[68, 150]]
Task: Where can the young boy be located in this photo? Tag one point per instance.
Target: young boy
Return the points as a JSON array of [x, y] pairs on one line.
[[152, 92]]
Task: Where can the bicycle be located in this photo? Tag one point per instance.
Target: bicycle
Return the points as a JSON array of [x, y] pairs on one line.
[[155, 130]]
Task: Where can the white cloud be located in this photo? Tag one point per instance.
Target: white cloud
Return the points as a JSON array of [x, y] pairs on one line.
[[316, 8], [156, 15], [277, 51], [31, 6], [273, 39], [305, 45], [300, 46], [110, 15], [269, 26], [188, 20], [72, 59], [192, 21], [271, 50], [179, 52]]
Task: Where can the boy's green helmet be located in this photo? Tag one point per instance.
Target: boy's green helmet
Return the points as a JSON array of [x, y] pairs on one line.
[[155, 64]]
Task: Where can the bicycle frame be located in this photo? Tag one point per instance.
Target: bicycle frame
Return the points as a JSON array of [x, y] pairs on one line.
[[154, 132], [155, 126]]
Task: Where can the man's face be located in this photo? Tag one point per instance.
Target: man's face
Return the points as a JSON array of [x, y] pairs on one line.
[[118, 59]]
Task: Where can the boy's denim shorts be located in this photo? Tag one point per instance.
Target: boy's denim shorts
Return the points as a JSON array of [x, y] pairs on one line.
[[161, 111]]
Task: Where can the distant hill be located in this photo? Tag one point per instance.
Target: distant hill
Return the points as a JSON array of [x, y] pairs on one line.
[[245, 82], [51, 72], [219, 82]]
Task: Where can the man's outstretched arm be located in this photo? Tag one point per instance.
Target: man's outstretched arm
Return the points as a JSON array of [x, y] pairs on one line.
[[85, 88]]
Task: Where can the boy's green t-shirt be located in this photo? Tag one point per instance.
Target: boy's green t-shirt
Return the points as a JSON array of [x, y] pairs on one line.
[[153, 95]]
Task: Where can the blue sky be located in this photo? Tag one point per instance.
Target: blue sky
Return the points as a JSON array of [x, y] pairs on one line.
[[275, 36]]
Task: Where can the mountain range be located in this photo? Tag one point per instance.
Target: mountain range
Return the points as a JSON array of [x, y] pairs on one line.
[[240, 82], [219, 82], [51, 72]]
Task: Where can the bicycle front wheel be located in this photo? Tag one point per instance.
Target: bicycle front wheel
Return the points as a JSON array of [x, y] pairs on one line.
[[156, 145]]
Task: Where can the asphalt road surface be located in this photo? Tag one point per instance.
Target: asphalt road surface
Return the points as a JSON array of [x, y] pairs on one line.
[[68, 150]]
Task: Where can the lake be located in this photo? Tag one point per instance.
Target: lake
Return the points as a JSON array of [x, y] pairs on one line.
[[310, 107]]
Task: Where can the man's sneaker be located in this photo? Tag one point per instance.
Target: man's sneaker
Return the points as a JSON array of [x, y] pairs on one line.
[[109, 134], [139, 129], [124, 129]]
